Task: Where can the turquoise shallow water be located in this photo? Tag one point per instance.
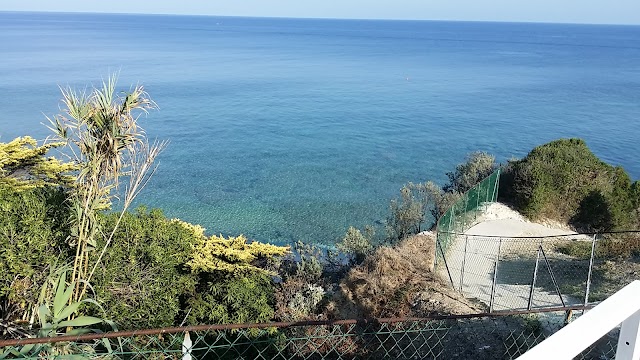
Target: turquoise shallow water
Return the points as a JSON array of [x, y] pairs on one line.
[[288, 129]]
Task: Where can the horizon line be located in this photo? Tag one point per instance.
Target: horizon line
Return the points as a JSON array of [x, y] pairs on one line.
[[318, 18]]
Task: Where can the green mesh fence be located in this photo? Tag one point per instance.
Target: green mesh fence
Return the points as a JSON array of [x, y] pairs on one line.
[[482, 336], [464, 212]]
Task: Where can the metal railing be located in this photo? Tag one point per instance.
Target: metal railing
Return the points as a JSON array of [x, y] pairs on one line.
[[507, 273], [464, 212], [505, 335]]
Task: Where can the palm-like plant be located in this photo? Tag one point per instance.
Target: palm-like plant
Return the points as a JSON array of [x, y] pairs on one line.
[[102, 133]]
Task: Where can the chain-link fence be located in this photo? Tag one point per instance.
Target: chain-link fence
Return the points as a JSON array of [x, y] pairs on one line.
[[507, 273], [482, 336], [465, 211]]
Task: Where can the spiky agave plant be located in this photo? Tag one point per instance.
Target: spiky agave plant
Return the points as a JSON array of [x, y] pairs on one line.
[[56, 318], [104, 139]]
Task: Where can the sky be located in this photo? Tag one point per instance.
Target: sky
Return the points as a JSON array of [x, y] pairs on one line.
[[562, 11]]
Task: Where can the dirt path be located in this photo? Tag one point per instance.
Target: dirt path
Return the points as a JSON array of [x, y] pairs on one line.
[[472, 261]]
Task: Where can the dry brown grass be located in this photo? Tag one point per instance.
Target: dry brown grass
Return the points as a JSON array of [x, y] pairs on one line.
[[398, 281]]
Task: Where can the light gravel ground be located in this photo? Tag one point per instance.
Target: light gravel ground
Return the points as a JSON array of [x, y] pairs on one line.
[[513, 287]]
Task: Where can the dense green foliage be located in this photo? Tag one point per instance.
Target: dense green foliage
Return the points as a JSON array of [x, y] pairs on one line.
[[142, 277], [223, 298], [563, 180], [160, 272], [33, 230]]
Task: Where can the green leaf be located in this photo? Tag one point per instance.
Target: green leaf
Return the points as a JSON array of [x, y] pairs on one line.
[[58, 301], [78, 332], [112, 324], [43, 314], [10, 351], [26, 349], [68, 311], [107, 345], [80, 321], [64, 298]]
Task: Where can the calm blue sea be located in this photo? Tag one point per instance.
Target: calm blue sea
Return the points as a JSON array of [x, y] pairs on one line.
[[292, 129]]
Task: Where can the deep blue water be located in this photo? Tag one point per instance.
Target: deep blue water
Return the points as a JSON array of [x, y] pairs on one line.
[[287, 129]]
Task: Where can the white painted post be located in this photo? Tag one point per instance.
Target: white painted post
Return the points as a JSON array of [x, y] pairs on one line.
[[629, 340]]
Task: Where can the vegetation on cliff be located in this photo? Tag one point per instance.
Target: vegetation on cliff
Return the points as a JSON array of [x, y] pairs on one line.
[[564, 181], [150, 271]]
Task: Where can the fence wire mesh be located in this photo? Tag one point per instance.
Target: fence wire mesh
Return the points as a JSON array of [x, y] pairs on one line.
[[482, 336], [507, 273], [465, 211]]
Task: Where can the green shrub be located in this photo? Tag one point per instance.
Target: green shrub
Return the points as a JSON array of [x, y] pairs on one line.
[[23, 165], [142, 278], [618, 246], [356, 245], [32, 238], [305, 276], [222, 298], [478, 166], [235, 282], [563, 180], [412, 212]]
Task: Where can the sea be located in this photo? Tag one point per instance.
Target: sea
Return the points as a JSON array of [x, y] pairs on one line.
[[295, 129]]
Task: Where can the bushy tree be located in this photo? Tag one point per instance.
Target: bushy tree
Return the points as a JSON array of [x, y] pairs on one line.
[[421, 205], [161, 272], [408, 214], [357, 245], [563, 180], [477, 166]]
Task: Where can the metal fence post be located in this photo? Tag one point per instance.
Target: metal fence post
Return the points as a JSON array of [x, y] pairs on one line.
[[493, 287], [444, 260], [494, 284], [533, 281], [593, 248], [494, 196], [464, 261], [464, 226]]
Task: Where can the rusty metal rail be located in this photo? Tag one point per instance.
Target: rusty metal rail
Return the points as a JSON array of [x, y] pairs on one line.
[[498, 335]]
